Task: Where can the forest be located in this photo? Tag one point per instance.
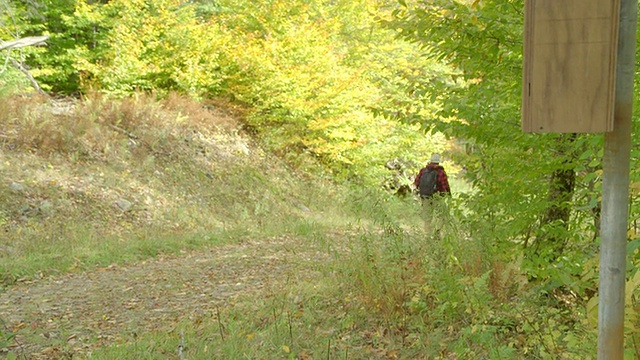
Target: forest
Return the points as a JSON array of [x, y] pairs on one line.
[[333, 106]]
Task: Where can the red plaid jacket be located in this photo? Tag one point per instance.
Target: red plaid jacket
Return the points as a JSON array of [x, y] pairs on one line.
[[442, 185]]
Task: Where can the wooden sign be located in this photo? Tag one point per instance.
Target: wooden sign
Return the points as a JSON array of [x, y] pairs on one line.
[[570, 51]]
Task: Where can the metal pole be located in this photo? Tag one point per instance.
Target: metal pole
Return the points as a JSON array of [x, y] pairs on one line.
[[615, 194]]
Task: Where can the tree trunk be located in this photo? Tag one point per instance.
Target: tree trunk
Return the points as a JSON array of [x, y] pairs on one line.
[[555, 220]]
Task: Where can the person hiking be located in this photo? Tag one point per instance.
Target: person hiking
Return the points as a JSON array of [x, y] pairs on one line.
[[433, 186]]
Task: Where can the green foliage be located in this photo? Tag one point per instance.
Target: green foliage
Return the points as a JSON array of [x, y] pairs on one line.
[[12, 82], [171, 160], [12, 26], [310, 97], [386, 290], [480, 41], [308, 71], [51, 65], [157, 46]]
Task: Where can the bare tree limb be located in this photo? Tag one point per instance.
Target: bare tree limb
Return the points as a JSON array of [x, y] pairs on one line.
[[23, 42], [20, 43], [33, 81]]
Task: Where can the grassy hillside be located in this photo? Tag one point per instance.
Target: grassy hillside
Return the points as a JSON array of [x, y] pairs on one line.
[[164, 190], [99, 181]]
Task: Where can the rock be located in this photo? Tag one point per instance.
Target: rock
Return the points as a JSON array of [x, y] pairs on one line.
[[124, 205], [242, 148], [46, 207], [301, 206], [16, 187], [28, 210], [7, 250]]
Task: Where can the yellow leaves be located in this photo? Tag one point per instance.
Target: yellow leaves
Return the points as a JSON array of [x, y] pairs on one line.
[[631, 315], [634, 188], [631, 286], [286, 349], [343, 133], [85, 11], [446, 13], [592, 311], [633, 233]]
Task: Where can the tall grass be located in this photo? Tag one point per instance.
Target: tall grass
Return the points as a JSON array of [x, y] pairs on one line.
[[12, 81], [387, 291], [104, 181], [86, 183]]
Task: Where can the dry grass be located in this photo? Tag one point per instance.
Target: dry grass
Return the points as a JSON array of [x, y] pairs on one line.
[[76, 173], [100, 181], [93, 125]]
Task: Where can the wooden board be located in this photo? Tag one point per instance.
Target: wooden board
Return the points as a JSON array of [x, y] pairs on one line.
[[570, 51]]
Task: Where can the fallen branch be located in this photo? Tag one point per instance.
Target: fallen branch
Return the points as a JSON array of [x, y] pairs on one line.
[[119, 129], [23, 42], [220, 327], [20, 43], [181, 346], [33, 81], [23, 351]]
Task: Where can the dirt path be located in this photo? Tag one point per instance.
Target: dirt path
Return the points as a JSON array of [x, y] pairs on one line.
[[57, 317]]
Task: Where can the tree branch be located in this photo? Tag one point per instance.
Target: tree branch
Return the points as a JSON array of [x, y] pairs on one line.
[[33, 81], [23, 42], [20, 43]]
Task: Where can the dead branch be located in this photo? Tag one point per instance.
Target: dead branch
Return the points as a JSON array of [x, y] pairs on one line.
[[23, 42], [33, 81], [20, 43]]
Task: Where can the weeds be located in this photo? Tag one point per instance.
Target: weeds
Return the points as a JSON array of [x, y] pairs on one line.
[[8, 338], [89, 174], [390, 292], [108, 181]]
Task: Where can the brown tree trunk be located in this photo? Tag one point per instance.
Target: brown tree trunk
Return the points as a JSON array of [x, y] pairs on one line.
[[555, 220]]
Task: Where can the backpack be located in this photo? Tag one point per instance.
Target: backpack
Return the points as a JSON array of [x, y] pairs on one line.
[[428, 182]]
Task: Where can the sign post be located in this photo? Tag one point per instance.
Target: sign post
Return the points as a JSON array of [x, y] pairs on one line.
[[615, 194], [578, 76], [569, 65]]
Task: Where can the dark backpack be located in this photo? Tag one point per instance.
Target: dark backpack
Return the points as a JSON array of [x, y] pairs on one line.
[[428, 182]]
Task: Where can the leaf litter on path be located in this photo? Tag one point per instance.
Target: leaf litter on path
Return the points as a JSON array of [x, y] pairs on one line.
[[76, 312]]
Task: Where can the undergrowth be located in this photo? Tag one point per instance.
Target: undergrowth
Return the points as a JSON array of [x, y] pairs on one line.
[[98, 181], [86, 183], [389, 291]]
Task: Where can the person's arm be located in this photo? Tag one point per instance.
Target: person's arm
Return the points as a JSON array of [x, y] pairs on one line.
[[416, 181], [443, 182]]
